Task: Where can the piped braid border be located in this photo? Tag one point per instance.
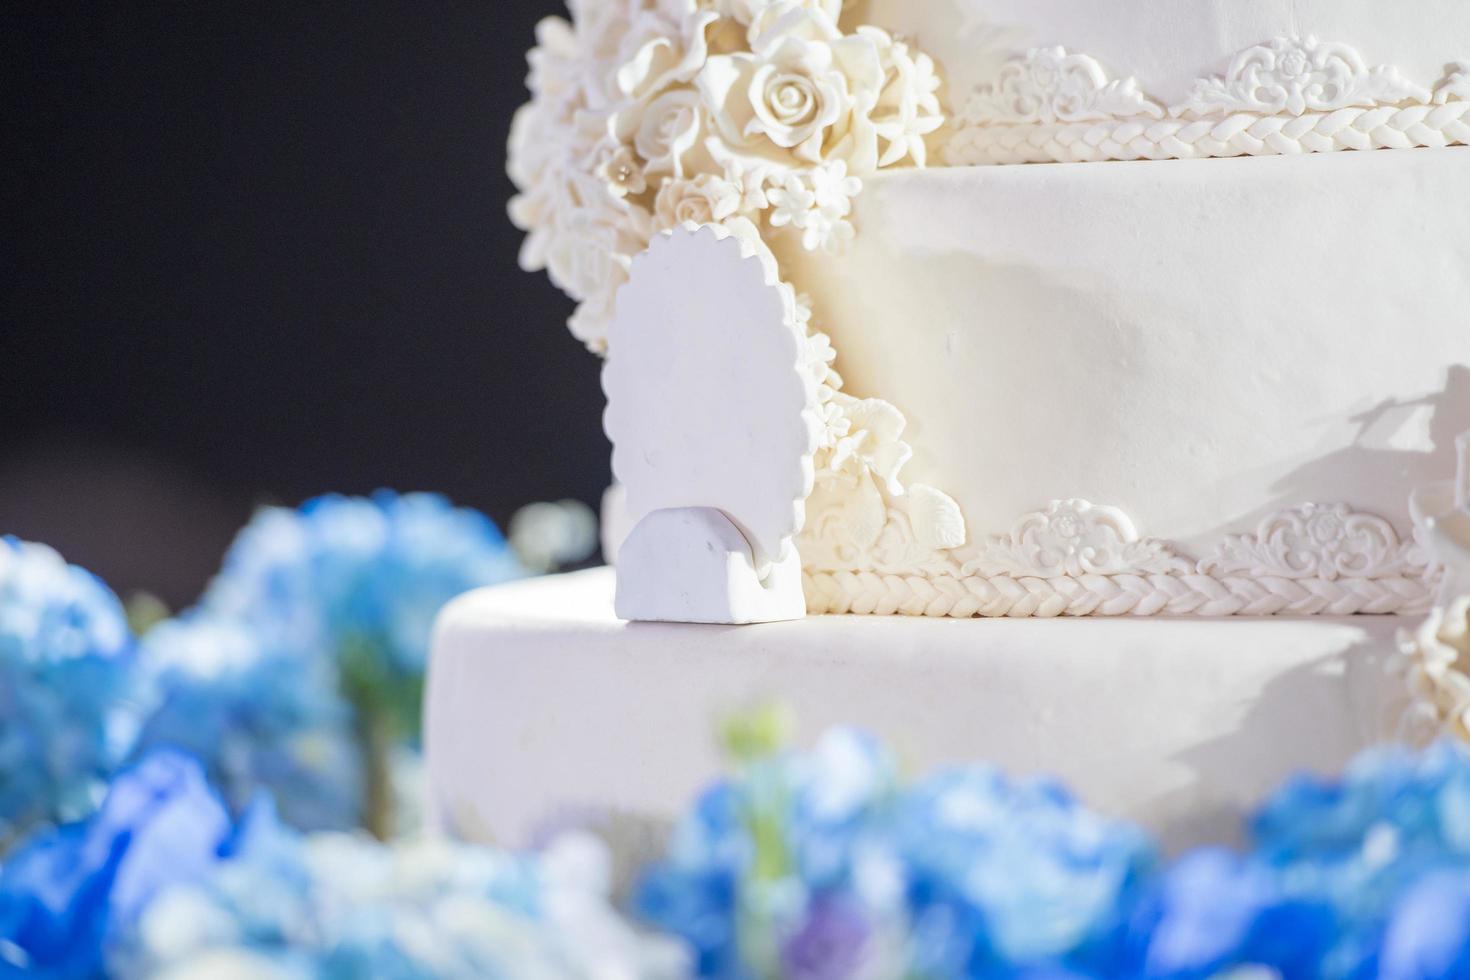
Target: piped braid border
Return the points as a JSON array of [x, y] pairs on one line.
[[1241, 134], [868, 593]]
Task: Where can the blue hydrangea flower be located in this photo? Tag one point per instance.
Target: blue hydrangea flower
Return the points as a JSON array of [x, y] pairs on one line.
[[770, 868], [375, 569], [1360, 843], [819, 865], [67, 893], [343, 906], [360, 580], [1428, 935], [1005, 875], [65, 654], [260, 718], [1215, 911], [302, 668]]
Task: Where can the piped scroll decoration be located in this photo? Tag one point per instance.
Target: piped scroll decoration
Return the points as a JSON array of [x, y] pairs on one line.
[[1076, 558], [1074, 537], [1294, 75], [1048, 85], [1318, 541]]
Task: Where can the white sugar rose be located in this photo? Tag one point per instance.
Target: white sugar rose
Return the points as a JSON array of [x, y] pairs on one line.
[[665, 45], [759, 13], [667, 131], [796, 96], [807, 89], [601, 29], [706, 199], [777, 16]]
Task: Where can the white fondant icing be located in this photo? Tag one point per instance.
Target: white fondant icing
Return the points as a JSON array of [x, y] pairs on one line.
[[539, 700]]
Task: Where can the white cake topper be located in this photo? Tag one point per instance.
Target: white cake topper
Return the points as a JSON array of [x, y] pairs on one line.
[[711, 410]]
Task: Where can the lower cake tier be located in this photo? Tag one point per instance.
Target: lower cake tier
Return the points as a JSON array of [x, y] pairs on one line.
[[542, 704], [1231, 369]]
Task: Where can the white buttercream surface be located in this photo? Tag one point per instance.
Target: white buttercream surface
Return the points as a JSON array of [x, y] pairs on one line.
[[1198, 343], [541, 702]]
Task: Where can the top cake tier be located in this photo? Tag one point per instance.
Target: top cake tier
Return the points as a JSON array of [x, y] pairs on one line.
[[1170, 45]]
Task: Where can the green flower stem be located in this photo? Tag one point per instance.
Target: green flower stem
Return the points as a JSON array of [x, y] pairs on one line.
[[387, 706], [375, 735]]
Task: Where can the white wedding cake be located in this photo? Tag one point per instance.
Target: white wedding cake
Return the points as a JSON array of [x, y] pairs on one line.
[[986, 309]]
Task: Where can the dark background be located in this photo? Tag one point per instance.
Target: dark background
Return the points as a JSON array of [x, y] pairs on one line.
[[257, 251]]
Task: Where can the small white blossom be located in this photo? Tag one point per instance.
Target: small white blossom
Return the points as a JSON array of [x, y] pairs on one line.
[[791, 201], [622, 171], [817, 203]]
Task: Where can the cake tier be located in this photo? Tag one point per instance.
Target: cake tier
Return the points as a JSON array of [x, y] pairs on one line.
[[1167, 45], [541, 703], [1204, 345]]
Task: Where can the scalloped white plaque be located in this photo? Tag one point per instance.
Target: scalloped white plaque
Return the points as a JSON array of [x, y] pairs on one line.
[[711, 407]]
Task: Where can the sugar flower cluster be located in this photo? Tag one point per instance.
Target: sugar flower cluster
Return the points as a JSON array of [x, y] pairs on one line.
[[649, 113], [65, 658]]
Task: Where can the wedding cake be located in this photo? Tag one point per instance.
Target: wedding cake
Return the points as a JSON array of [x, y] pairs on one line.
[[995, 309]]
